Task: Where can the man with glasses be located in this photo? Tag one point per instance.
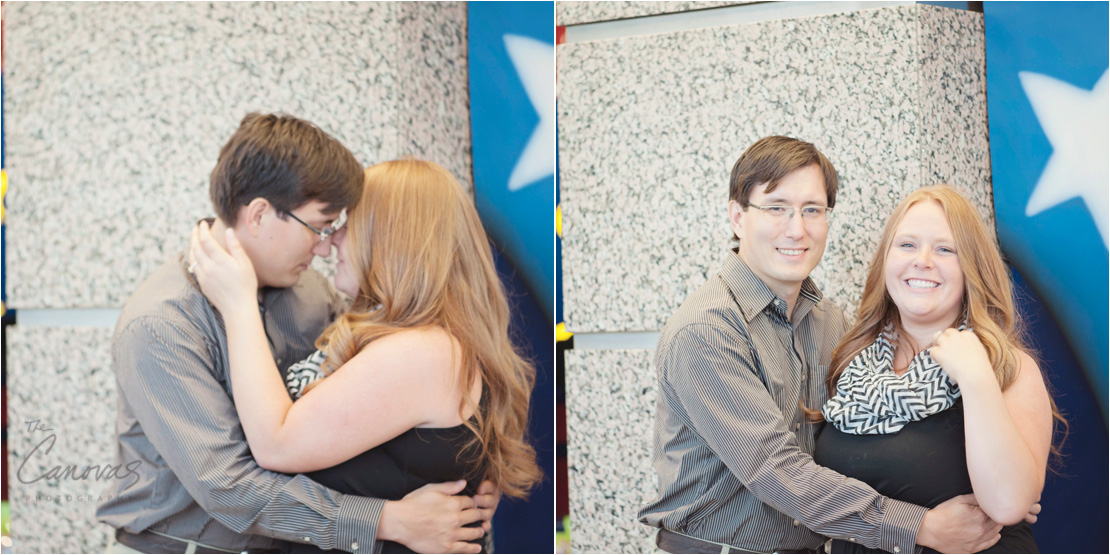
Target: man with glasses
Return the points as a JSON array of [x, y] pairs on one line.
[[190, 485], [737, 362]]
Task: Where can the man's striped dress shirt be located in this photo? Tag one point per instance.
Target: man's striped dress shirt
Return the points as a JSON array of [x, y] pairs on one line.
[[732, 446], [192, 474]]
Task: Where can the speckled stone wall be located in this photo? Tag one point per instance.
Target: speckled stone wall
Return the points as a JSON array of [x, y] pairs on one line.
[[611, 405], [433, 107], [114, 114], [572, 13], [649, 128], [60, 386]]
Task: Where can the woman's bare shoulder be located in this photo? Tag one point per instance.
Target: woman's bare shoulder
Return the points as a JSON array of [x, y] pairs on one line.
[[421, 351]]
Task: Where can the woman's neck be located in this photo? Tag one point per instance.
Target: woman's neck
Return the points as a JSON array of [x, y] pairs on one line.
[[913, 339], [920, 336]]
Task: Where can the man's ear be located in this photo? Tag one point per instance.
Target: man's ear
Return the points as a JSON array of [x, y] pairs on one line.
[[253, 214], [735, 215]]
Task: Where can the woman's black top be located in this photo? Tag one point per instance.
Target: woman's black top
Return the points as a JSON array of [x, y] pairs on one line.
[[403, 464], [924, 463]]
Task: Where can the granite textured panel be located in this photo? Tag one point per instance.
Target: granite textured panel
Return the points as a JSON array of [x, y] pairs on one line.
[[610, 415], [954, 146], [650, 126], [59, 379], [115, 113], [433, 112], [573, 13]]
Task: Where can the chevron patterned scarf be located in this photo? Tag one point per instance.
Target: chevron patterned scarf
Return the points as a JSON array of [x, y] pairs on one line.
[[871, 399]]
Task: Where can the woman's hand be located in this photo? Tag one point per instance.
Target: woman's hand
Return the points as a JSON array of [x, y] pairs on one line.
[[226, 278], [962, 356]]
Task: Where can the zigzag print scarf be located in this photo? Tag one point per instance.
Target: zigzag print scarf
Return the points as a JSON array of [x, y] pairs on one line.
[[871, 399]]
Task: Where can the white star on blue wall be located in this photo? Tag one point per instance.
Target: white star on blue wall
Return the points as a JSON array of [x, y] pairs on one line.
[[535, 64], [1075, 121]]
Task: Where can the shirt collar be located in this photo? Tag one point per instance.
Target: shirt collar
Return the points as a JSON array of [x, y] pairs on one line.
[[753, 295]]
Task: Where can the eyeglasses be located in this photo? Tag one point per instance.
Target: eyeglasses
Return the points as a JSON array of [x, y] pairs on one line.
[[328, 231], [785, 213]]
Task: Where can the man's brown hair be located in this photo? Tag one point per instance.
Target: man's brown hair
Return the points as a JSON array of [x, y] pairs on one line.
[[772, 158], [287, 161]]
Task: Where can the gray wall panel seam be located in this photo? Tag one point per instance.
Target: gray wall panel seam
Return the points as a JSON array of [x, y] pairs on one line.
[[713, 17], [612, 341], [67, 317]]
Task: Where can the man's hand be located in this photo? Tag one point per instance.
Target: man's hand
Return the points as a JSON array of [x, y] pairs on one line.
[[1031, 516], [432, 518], [958, 526], [487, 498]]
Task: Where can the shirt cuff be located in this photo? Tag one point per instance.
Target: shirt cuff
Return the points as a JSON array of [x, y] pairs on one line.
[[356, 529], [901, 521]]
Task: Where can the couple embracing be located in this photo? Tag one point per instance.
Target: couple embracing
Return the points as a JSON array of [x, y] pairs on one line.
[[925, 424], [271, 414]]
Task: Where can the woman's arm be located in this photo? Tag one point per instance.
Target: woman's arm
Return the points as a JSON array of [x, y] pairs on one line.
[[402, 381], [1008, 434]]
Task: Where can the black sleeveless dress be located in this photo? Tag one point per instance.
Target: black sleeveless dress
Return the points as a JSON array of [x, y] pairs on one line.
[[392, 470], [925, 463], [403, 464]]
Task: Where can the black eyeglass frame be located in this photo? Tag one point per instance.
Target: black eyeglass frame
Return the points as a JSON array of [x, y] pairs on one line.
[[323, 234]]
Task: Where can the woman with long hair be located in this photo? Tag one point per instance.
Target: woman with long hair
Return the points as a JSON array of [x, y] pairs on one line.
[[422, 385], [933, 392]]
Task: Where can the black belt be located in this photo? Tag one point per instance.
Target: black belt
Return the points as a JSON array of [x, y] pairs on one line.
[[673, 542], [149, 542]]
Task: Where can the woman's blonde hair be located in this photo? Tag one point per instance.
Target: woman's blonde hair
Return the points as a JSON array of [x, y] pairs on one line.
[[988, 299], [418, 249]]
